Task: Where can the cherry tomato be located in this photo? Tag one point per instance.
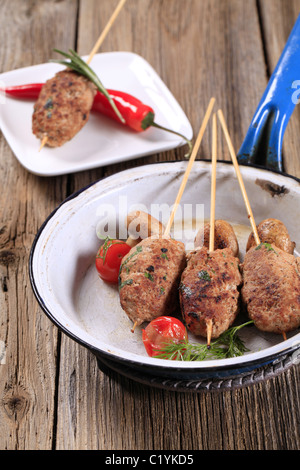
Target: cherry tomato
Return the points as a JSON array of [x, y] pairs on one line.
[[108, 259], [160, 331]]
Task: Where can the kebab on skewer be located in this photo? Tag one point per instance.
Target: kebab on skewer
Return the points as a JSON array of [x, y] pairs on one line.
[[271, 275], [271, 288], [277, 272], [65, 101], [150, 273], [62, 108], [210, 284]]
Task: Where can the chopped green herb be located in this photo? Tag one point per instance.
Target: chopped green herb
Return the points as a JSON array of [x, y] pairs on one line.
[[49, 103], [126, 283], [204, 275], [164, 255], [162, 290], [149, 276], [268, 246], [138, 250]]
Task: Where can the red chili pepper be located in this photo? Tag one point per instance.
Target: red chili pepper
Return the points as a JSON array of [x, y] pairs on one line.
[[137, 115], [31, 90]]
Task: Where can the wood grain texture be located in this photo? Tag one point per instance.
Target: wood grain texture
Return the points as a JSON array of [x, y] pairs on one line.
[[53, 395], [28, 378]]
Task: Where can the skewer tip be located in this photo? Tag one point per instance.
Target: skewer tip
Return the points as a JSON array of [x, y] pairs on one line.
[[43, 142], [134, 327], [284, 335]]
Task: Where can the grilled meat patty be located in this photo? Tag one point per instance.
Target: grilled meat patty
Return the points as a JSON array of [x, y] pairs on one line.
[[63, 107], [149, 279], [224, 237], [271, 289], [209, 289], [273, 231]]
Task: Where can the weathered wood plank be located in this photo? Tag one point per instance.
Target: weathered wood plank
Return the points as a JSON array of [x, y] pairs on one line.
[[27, 385]]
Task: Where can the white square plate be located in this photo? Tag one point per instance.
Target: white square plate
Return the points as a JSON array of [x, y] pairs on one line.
[[102, 141]]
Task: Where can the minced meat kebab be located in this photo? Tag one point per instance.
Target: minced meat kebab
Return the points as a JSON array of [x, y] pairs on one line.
[[210, 287], [63, 107], [271, 280], [149, 278]]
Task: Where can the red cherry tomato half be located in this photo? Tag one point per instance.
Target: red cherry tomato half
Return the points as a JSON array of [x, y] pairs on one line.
[[160, 331], [109, 258]]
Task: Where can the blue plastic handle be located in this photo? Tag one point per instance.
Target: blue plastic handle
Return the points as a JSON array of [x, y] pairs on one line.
[[263, 141]]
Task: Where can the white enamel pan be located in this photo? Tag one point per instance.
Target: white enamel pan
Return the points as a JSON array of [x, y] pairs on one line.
[[62, 259], [68, 289]]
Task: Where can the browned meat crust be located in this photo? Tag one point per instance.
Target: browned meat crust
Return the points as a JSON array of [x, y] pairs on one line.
[[273, 231], [271, 289], [209, 289], [149, 279], [63, 107], [224, 237]]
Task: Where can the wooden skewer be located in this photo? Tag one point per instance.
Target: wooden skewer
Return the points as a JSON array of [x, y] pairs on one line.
[[208, 332], [190, 164], [239, 176], [284, 335], [213, 185], [235, 163], [209, 322], [96, 48], [105, 31], [187, 172], [43, 142]]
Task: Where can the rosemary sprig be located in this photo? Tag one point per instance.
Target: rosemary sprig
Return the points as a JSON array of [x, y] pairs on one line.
[[76, 63], [229, 344]]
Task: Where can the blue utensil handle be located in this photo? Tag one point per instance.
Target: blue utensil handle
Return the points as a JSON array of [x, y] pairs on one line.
[[263, 141]]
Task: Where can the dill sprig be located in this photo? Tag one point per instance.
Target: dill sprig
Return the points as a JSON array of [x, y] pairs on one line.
[[229, 344], [76, 63]]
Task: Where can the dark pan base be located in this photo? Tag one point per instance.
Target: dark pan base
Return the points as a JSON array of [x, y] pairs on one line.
[[204, 384]]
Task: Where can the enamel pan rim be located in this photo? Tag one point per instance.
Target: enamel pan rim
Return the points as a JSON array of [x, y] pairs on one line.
[[157, 366]]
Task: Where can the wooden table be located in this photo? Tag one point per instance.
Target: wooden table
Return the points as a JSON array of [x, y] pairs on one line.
[[53, 395]]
